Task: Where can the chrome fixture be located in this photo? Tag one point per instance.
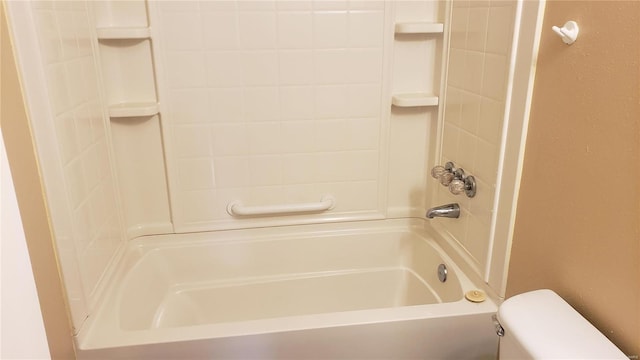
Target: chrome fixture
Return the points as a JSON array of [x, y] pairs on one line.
[[497, 325], [455, 178], [448, 211], [442, 272]]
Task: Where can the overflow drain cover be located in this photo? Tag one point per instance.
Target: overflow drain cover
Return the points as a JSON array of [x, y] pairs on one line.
[[442, 272]]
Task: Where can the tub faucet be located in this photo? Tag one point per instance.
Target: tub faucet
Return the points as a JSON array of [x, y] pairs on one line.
[[449, 211]]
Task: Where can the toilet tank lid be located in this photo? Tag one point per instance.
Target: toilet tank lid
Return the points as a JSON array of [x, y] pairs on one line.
[[548, 327]]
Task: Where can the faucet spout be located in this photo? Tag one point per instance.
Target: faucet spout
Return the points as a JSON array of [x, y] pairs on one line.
[[448, 211]]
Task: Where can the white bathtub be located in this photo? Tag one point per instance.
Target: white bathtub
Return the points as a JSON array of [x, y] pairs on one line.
[[348, 290]]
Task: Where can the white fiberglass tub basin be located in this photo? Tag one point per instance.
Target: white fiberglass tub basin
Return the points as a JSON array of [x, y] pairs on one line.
[[351, 290]]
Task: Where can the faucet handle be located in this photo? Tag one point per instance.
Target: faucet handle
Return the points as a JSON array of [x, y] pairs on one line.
[[456, 187], [446, 178], [467, 186], [447, 173], [442, 174], [438, 171]]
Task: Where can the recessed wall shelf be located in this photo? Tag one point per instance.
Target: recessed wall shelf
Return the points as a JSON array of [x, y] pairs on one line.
[[414, 100], [123, 33], [419, 28], [133, 109]]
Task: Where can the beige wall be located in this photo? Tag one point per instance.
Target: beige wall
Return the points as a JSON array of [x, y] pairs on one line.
[[18, 141], [577, 226]]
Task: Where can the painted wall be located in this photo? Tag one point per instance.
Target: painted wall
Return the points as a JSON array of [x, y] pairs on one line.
[[22, 330], [577, 227]]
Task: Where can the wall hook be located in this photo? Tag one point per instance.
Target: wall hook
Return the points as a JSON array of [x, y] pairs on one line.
[[568, 33]]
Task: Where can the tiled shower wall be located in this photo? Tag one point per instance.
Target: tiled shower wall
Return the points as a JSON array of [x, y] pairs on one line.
[[298, 110], [263, 102], [480, 49], [75, 155], [288, 105], [272, 102]]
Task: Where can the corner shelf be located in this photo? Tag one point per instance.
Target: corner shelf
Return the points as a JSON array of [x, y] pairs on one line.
[[124, 110], [123, 33], [414, 100], [419, 28]]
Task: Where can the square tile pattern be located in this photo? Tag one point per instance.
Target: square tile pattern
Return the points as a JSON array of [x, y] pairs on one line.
[[480, 44], [66, 44], [272, 102], [267, 102]]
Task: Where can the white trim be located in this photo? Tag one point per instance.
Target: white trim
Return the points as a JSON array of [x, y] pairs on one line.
[[522, 74]]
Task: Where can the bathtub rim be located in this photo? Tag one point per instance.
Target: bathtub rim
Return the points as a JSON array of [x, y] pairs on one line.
[[288, 324]]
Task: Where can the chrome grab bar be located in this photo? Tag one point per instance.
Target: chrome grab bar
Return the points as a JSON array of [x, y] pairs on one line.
[[236, 208]]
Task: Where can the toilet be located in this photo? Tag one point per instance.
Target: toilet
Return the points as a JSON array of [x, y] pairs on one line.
[[541, 325]]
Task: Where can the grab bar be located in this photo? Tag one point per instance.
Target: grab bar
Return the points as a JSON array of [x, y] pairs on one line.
[[236, 208]]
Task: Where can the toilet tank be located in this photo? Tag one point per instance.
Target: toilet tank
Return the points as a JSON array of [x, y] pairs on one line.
[[541, 325]]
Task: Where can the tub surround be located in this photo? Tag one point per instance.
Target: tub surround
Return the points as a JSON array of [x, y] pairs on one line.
[[480, 49], [56, 62], [303, 109]]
